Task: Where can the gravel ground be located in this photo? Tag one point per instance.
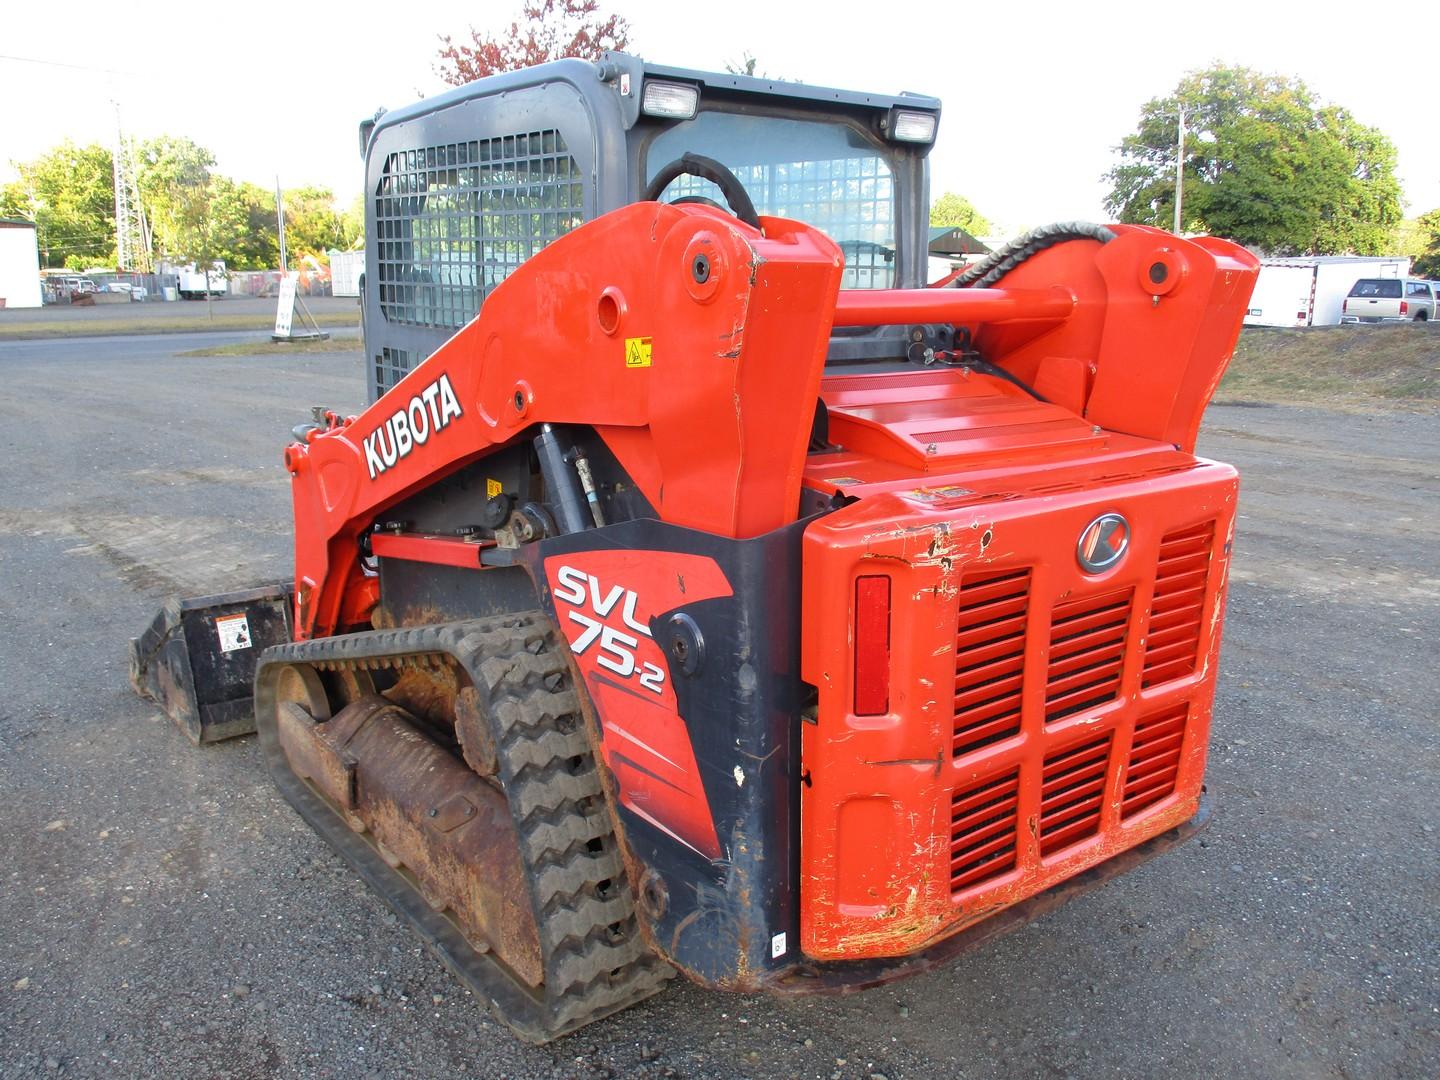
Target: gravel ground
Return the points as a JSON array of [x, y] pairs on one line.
[[164, 913]]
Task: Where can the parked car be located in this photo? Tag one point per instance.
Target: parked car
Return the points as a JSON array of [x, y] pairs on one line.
[[1376, 300], [75, 285], [135, 292]]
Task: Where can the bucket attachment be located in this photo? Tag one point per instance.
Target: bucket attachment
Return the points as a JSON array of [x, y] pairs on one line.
[[196, 659]]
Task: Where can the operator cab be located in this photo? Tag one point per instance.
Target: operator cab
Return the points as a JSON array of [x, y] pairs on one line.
[[464, 187]]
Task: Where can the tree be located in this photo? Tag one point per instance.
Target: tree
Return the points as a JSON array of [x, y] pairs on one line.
[[255, 245], [1265, 165], [1425, 239], [175, 184], [312, 224], [552, 29], [70, 195], [956, 212], [744, 66], [193, 213], [355, 222]]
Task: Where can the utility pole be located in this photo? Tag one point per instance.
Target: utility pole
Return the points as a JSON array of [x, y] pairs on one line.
[[1179, 168], [280, 220], [133, 250]]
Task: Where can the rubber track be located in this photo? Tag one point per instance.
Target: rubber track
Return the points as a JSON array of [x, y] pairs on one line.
[[595, 959]]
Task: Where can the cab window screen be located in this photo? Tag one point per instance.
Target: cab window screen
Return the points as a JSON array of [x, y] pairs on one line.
[[453, 221], [824, 174]]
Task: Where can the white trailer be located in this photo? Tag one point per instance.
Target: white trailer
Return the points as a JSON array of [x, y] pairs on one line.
[[1309, 291]]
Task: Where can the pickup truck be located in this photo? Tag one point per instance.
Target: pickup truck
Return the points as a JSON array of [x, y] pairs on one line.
[[1375, 300]]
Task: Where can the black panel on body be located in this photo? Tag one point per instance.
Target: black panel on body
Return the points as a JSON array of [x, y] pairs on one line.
[[741, 709]]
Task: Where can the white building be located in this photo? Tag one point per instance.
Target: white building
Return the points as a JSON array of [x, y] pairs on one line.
[[19, 264], [1308, 290]]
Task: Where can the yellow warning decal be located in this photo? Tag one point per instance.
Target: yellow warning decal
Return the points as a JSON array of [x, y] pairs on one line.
[[637, 352], [493, 488]]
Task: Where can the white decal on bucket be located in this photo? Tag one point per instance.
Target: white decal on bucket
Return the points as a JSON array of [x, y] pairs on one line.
[[234, 631], [777, 946]]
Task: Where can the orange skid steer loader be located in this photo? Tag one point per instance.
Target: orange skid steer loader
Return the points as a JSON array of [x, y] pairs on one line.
[[704, 590]]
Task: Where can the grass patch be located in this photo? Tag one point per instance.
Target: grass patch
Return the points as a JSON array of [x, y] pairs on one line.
[[20, 331], [271, 348], [1336, 365]]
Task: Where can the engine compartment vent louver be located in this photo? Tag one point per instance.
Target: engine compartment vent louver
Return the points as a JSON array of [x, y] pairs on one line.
[[1154, 761], [1087, 653], [990, 657], [1072, 793], [1172, 643], [984, 824]]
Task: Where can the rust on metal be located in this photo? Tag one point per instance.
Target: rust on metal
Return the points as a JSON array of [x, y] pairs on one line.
[[473, 730], [847, 977], [426, 812]]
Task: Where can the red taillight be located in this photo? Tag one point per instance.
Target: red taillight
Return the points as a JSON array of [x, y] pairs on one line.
[[1344, 305], [872, 645], [1404, 307]]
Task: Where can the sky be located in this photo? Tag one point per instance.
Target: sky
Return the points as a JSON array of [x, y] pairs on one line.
[[1036, 95]]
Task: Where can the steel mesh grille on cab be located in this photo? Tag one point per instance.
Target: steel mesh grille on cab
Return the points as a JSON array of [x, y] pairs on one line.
[[454, 219], [984, 824], [391, 365], [1154, 761], [1071, 794], [990, 657], [1087, 653], [1172, 643]]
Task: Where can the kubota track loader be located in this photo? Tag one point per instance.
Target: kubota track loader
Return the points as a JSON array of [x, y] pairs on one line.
[[702, 591]]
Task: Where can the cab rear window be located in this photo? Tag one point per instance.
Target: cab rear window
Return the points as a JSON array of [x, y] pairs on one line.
[[1377, 288]]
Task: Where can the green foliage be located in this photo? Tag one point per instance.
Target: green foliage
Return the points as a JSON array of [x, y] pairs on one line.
[[313, 226], [196, 215], [255, 244], [177, 187], [956, 212], [1425, 245], [1266, 165], [744, 66], [355, 222], [70, 195]]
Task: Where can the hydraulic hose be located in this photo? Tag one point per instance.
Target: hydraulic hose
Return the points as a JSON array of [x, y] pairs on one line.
[[997, 264]]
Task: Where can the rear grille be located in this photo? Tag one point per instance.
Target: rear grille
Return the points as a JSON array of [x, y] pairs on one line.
[[1154, 759], [990, 657], [1087, 652], [1071, 794], [983, 828], [1173, 640]]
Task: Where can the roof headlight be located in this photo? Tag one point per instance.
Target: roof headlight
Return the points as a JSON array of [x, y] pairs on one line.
[[678, 101], [911, 125]]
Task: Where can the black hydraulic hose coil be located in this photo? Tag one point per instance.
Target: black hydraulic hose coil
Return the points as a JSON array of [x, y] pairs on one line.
[[997, 264]]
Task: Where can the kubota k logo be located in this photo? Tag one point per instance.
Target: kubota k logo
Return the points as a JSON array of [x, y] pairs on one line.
[[1103, 543]]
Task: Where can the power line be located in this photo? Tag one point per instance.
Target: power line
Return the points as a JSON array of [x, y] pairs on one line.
[[62, 64]]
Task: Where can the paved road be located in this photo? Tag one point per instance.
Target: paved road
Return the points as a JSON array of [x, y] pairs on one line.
[[166, 914]]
